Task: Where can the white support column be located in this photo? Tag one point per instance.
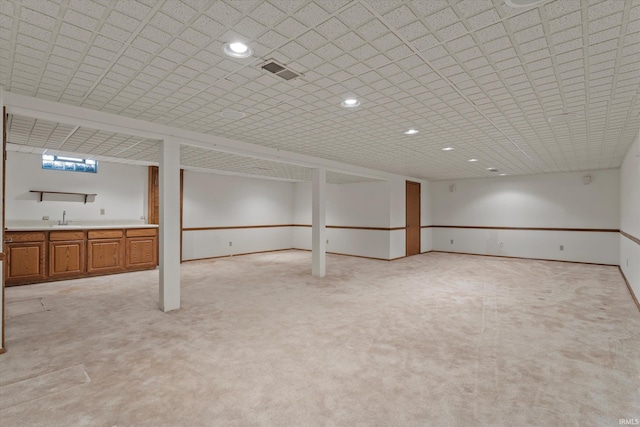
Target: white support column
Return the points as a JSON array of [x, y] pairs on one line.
[[169, 225], [318, 222]]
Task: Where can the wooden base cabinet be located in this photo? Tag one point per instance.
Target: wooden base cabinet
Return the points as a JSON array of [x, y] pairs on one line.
[[141, 249], [66, 259], [67, 250], [105, 251], [41, 256], [26, 254], [25, 261]]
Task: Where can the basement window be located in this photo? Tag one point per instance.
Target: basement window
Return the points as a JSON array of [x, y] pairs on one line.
[[70, 164]]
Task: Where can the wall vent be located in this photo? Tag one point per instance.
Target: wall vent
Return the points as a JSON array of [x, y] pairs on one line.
[[279, 70]]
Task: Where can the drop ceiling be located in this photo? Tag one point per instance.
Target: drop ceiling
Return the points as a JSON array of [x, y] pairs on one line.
[[475, 75], [61, 138], [36, 136]]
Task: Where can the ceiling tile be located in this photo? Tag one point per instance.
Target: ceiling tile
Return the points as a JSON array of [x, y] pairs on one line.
[[483, 19], [332, 28], [173, 71]]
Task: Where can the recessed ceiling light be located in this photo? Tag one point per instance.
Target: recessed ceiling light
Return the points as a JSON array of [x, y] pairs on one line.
[[492, 169], [502, 174], [522, 3], [232, 114], [411, 131], [472, 160], [448, 149], [565, 117], [237, 50], [350, 103]]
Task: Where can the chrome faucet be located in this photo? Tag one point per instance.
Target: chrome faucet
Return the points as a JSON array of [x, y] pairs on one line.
[[64, 221]]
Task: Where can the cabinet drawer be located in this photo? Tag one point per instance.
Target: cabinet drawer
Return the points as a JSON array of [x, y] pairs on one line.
[[142, 232], [105, 234], [66, 235], [24, 236]]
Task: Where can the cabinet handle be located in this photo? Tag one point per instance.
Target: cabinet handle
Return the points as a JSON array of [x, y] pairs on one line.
[[9, 241]]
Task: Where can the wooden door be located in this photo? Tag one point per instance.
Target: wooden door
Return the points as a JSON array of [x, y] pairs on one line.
[[66, 259], [141, 252], [25, 262], [413, 218], [105, 256]]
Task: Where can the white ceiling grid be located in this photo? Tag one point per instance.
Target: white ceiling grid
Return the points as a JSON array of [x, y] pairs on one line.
[[34, 150], [91, 142], [38, 136], [473, 74], [201, 159]]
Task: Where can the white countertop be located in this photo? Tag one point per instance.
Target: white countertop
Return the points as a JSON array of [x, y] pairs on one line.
[[77, 227]]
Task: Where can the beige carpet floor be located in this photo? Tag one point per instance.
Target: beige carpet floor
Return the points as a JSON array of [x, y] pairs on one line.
[[432, 340]]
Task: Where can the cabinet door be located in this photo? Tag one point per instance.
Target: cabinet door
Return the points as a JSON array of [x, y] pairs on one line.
[[25, 262], [105, 256], [141, 252], [67, 258]]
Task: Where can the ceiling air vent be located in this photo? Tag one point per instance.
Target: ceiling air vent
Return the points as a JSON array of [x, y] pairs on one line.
[[279, 70]]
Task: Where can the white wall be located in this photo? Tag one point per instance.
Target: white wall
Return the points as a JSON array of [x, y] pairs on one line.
[[543, 201], [366, 243], [226, 201], [121, 190], [630, 216], [371, 204], [365, 204], [549, 200], [215, 243], [397, 204]]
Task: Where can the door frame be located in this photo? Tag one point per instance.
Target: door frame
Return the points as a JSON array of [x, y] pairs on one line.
[[3, 259], [408, 184]]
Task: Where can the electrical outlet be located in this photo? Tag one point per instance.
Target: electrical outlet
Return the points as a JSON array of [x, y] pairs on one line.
[[327, 241], [101, 211], [45, 218], [562, 247], [452, 241], [501, 244], [230, 243]]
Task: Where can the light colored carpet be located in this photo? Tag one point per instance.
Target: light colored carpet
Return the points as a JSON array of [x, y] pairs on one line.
[[432, 340]]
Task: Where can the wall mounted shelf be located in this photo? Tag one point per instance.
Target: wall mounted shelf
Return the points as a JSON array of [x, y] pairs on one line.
[[43, 192]]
